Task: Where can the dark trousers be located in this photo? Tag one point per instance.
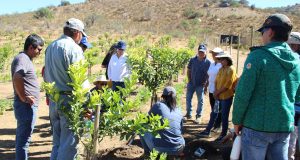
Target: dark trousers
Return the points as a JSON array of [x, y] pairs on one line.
[[215, 118], [115, 84]]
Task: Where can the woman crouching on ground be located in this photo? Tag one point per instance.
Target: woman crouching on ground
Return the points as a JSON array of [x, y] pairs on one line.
[[171, 140]]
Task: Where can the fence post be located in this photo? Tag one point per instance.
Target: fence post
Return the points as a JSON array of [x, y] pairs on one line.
[[96, 130]]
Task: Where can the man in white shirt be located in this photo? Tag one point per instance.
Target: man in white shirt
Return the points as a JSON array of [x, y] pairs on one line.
[[118, 68]]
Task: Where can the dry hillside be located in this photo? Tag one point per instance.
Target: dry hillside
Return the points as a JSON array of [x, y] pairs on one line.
[[179, 18]]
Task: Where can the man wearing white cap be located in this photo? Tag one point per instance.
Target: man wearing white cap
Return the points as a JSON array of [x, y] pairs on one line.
[[60, 54]]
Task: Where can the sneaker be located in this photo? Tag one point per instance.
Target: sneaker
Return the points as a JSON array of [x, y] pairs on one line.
[[197, 120], [187, 117], [204, 134], [220, 138]]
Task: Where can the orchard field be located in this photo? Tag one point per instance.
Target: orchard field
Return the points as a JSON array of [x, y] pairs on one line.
[[156, 62]]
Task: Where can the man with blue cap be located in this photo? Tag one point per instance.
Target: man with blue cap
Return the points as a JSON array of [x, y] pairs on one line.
[[118, 68], [197, 79]]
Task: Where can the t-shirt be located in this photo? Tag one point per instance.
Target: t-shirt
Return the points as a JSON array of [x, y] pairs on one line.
[[225, 78], [23, 65], [171, 137], [212, 74], [198, 69]]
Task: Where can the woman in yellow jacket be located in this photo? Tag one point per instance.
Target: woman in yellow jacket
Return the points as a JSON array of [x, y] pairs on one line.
[[224, 92]]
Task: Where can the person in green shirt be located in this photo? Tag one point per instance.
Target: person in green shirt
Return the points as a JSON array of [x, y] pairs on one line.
[[263, 109]]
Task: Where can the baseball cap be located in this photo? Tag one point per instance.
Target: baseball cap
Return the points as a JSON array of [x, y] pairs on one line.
[[169, 90], [277, 20], [121, 45], [202, 48], [75, 24], [85, 42], [294, 38]]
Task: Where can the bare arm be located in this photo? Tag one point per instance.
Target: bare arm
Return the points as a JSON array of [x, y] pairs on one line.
[[18, 83]]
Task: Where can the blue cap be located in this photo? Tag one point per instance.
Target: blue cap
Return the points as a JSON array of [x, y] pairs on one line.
[[85, 42], [121, 45], [202, 48]]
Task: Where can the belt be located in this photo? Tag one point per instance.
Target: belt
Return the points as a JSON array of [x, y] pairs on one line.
[[65, 92]]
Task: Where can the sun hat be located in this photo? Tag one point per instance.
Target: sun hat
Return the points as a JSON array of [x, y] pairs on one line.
[[217, 50], [224, 55], [294, 38], [101, 78], [277, 20], [169, 90], [85, 42], [75, 24]]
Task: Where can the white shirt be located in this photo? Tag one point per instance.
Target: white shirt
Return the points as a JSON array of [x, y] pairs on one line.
[[118, 68], [212, 74]]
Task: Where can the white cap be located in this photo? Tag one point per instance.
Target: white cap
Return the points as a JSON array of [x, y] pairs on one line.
[[294, 38], [75, 24]]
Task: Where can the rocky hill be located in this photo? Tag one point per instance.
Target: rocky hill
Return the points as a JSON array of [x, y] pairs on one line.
[[179, 18]]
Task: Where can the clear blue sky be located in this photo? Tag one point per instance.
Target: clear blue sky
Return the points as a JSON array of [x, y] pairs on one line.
[[20, 6], [272, 3]]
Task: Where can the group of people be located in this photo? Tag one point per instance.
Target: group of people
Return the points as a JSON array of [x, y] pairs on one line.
[[263, 97], [59, 55]]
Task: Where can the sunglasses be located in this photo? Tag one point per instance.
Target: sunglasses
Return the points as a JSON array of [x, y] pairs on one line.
[[264, 30]]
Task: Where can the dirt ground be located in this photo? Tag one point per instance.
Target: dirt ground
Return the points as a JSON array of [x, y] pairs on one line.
[[40, 148]]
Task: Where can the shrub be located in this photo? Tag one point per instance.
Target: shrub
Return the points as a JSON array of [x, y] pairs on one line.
[[4, 105], [64, 3], [43, 13], [191, 14]]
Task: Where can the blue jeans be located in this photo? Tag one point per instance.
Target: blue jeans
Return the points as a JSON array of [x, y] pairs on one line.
[[148, 144], [189, 95], [260, 145], [26, 116], [64, 140], [225, 109]]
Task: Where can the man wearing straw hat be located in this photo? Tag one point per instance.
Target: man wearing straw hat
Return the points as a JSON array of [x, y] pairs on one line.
[[99, 83]]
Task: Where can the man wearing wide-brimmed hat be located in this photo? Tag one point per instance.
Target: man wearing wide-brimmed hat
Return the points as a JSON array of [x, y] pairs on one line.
[[60, 54], [263, 107], [99, 83]]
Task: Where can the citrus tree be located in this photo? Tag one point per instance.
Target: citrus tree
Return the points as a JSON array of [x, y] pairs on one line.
[[118, 120]]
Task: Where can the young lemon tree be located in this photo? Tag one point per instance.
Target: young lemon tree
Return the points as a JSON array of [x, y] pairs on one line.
[[118, 120]]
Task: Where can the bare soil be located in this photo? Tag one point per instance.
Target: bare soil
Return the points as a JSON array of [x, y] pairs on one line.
[[110, 148]]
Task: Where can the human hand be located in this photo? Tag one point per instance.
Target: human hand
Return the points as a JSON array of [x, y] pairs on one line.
[[29, 100], [237, 129]]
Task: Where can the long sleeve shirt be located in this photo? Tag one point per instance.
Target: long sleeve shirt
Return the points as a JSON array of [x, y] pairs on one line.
[[118, 68]]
